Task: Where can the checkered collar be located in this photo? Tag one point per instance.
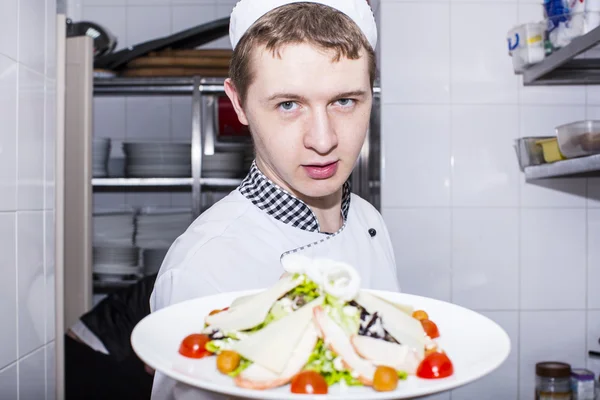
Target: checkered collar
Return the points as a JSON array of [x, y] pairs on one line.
[[283, 206]]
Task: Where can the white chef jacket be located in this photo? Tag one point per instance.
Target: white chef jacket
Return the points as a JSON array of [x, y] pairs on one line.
[[238, 244]]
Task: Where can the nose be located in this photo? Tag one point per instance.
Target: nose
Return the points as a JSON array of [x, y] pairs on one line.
[[320, 134]]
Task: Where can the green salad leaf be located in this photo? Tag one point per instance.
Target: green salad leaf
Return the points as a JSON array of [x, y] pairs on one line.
[[322, 361], [308, 289]]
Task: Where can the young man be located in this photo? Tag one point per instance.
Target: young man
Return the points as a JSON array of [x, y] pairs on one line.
[[301, 78]]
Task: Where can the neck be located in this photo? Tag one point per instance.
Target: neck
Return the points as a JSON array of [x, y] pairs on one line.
[[327, 210]]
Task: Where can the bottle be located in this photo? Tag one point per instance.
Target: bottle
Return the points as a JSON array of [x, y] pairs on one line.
[[553, 381]]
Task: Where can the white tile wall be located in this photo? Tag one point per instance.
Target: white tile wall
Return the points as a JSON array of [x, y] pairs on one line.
[[465, 225], [27, 140]]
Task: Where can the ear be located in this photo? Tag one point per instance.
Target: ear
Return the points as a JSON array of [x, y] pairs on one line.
[[233, 95]]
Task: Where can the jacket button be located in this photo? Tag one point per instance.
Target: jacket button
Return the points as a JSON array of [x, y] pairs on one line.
[[372, 232]]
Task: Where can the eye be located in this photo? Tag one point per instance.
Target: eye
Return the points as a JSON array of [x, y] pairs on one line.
[[346, 102], [288, 105]]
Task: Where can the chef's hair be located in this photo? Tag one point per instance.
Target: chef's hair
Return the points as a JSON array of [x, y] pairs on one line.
[[316, 24]]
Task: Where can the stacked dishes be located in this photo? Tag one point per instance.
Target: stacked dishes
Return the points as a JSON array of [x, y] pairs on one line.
[[223, 165], [152, 260], [116, 263], [159, 227], [158, 159], [114, 256], [100, 155]]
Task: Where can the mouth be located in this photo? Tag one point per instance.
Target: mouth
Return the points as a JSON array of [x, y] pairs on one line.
[[321, 170]]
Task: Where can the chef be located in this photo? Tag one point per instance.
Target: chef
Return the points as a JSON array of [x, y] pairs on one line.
[[301, 78]]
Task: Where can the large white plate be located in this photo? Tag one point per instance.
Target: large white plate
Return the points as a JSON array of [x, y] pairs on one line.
[[475, 344]]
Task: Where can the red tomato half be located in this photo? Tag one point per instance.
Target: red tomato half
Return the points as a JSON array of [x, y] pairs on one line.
[[194, 346], [435, 365], [309, 382], [430, 328]]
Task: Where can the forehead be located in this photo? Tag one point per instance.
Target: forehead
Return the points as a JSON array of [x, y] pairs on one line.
[[307, 70]]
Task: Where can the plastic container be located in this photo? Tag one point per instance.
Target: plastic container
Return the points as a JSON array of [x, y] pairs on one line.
[[526, 45], [551, 150], [583, 384], [529, 152], [553, 381], [577, 139]]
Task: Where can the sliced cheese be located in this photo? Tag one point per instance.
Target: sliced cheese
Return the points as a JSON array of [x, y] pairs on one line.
[[381, 352], [402, 327], [258, 377], [248, 313], [273, 346]]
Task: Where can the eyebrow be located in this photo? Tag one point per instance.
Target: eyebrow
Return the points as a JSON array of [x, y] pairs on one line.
[[293, 96]]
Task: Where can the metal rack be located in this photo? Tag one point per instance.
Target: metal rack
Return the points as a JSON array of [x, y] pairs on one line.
[[586, 167], [204, 92], [564, 68], [561, 67]]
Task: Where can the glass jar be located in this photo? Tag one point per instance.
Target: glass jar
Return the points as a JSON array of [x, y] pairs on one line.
[[582, 384], [552, 381]]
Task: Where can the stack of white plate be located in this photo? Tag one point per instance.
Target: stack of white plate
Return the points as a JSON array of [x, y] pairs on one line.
[[100, 155], [113, 227], [115, 263], [152, 259], [157, 159], [159, 227], [223, 165]]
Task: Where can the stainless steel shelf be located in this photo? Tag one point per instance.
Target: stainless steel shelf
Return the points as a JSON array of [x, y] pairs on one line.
[[163, 86], [155, 86], [163, 182], [576, 167], [560, 68]]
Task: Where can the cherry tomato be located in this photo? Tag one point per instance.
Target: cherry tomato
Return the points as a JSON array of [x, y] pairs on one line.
[[309, 382], [385, 379], [430, 328], [435, 365], [194, 346], [420, 315]]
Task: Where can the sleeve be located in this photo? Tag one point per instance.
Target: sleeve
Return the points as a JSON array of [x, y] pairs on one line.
[[113, 319]]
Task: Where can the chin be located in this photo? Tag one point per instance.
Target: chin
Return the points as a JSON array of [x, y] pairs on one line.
[[321, 188]]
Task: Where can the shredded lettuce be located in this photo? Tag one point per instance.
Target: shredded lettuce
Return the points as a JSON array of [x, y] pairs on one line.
[[244, 363], [322, 361], [346, 316], [309, 289]]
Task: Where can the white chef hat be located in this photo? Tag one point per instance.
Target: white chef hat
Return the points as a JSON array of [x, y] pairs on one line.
[[247, 12]]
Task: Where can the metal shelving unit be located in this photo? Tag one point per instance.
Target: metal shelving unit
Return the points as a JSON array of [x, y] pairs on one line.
[[561, 67], [204, 93], [576, 167]]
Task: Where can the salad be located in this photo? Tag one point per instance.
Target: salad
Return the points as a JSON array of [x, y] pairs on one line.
[[315, 328]]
